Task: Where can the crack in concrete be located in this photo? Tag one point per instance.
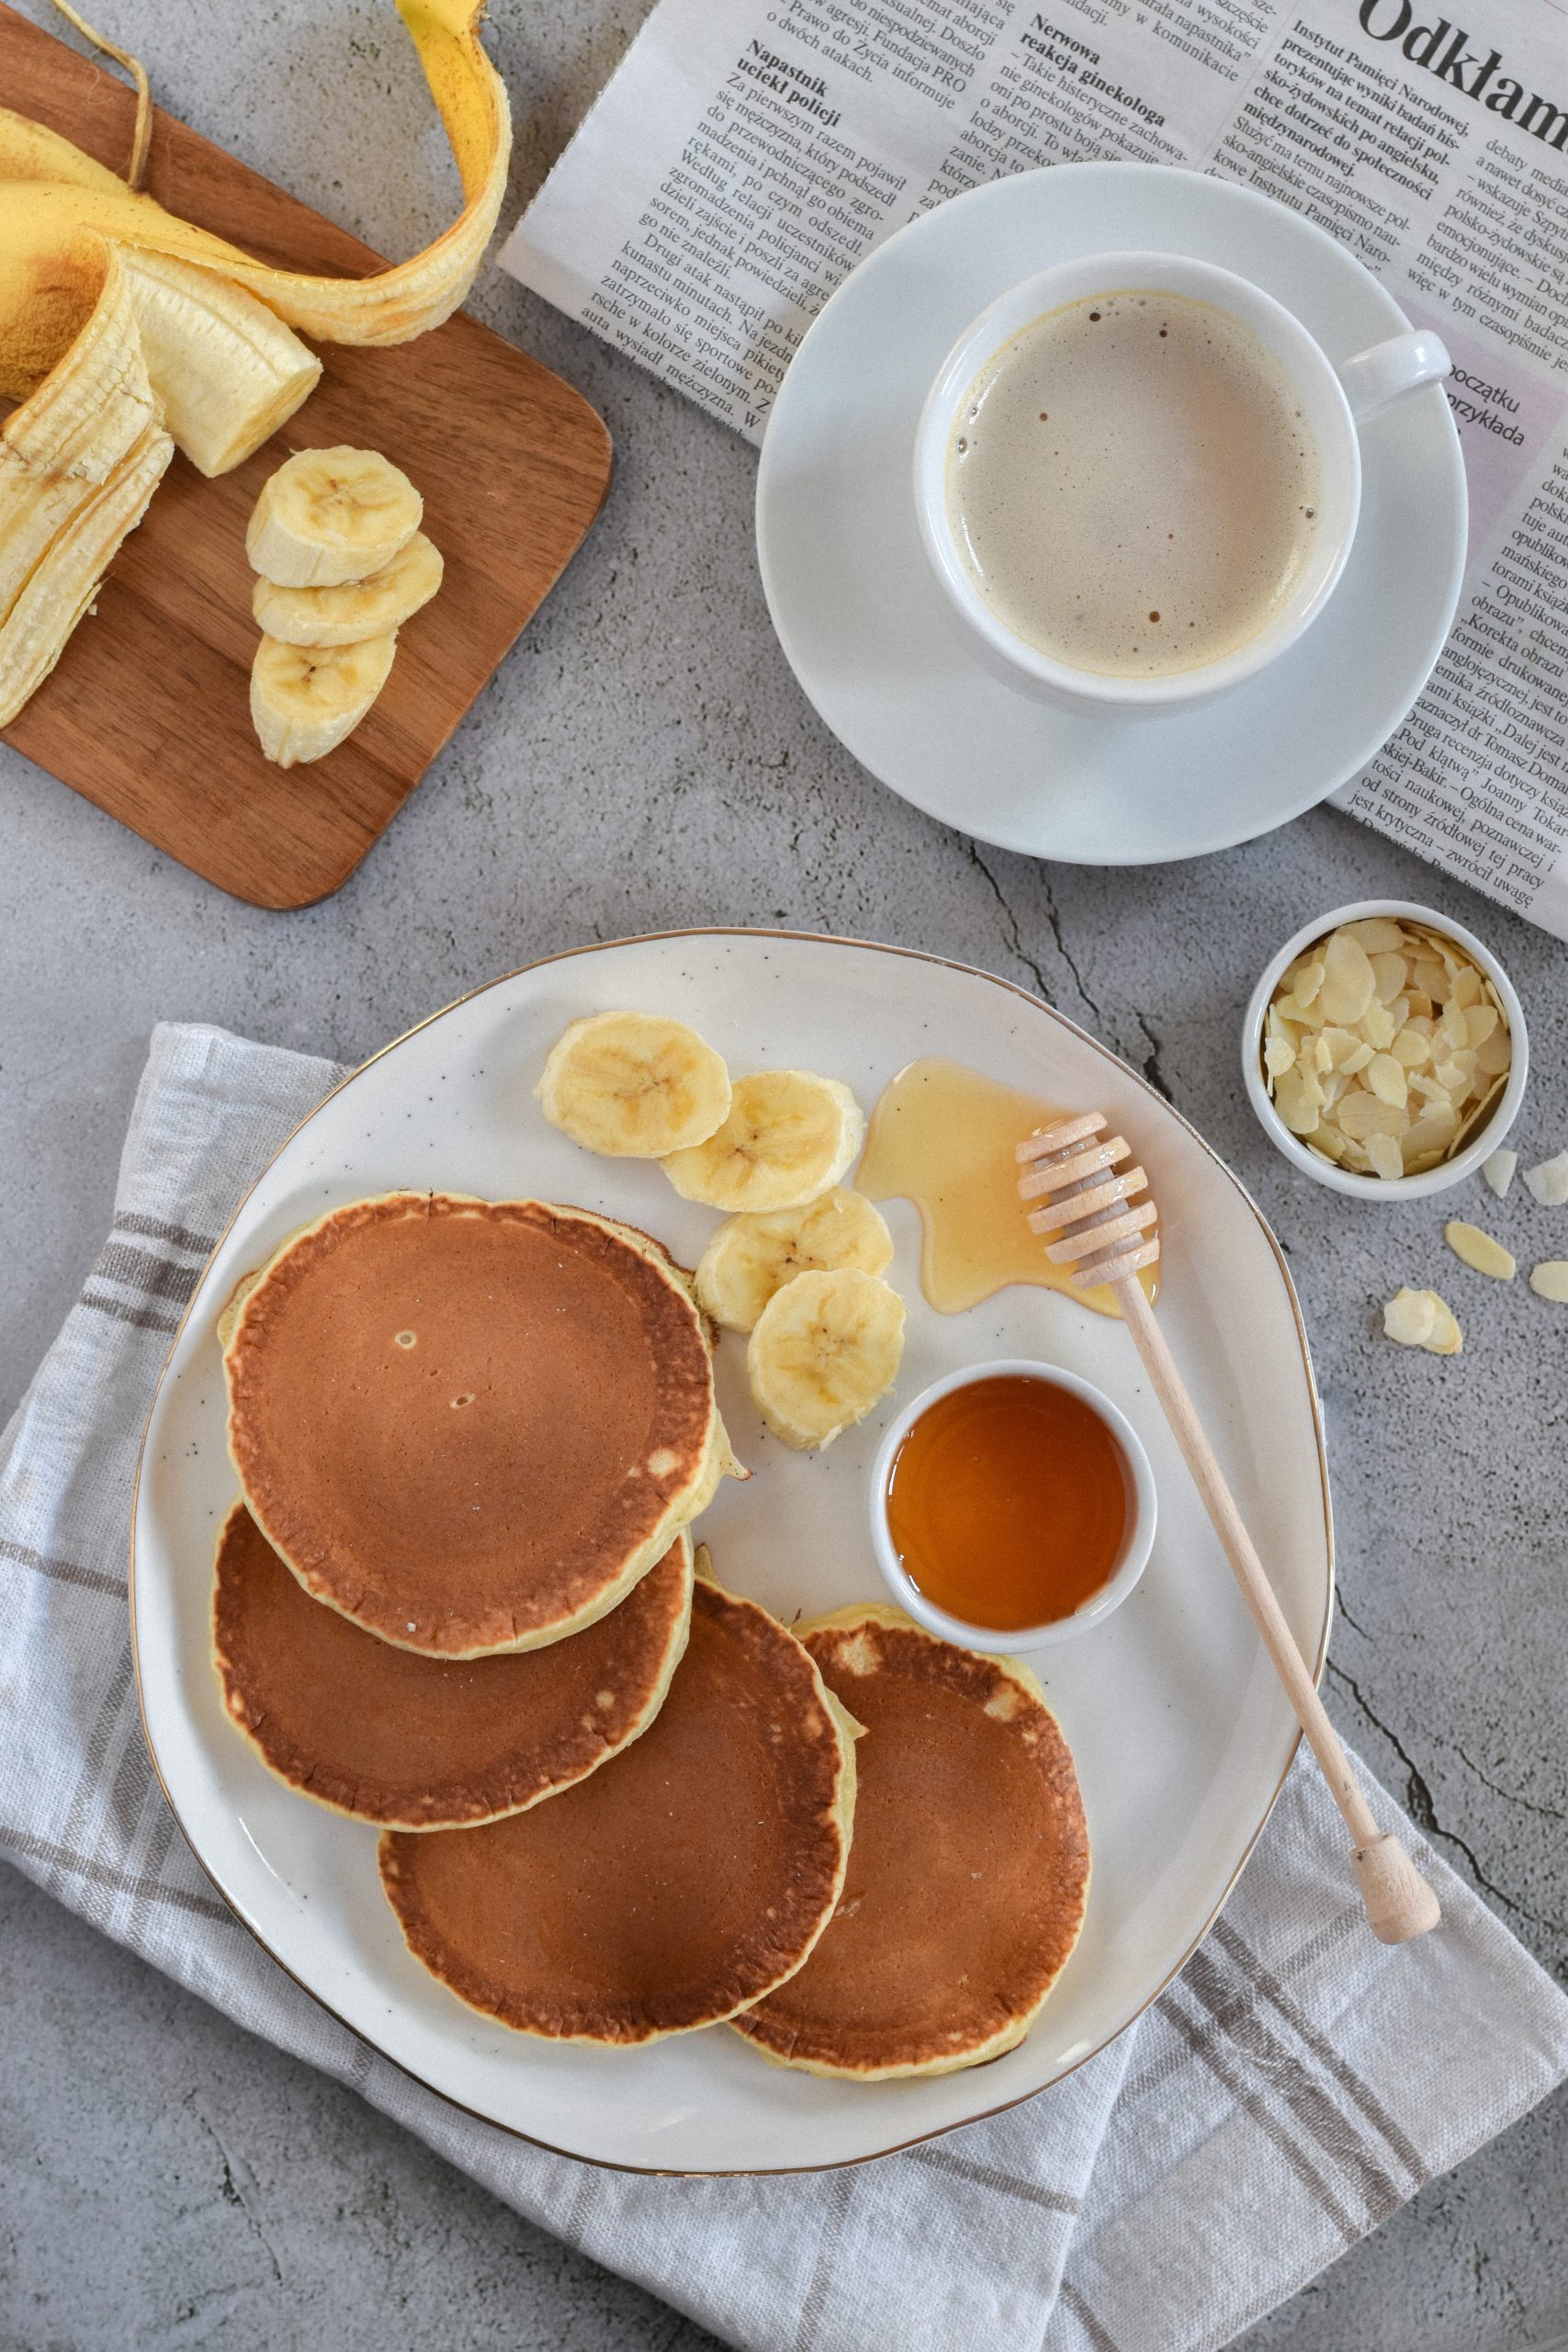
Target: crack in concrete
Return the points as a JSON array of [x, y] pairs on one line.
[[233, 2194], [1509, 1796], [1348, 1614], [1010, 926], [1423, 1812], [1054, 920], [1151, 1064]]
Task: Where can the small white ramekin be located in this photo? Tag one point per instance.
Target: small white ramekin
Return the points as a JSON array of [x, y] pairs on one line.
[[1488, 1136], [1136, 1543]]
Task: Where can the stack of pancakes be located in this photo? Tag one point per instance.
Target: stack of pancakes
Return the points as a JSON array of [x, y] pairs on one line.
[[457, 1599]]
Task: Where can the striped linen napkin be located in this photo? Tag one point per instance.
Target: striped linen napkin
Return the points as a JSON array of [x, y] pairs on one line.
[[1284, 2095]]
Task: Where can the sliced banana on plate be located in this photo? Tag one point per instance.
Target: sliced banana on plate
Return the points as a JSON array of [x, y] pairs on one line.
[[824, 1347], [788, 1138], [633, 1085], [305, 699], [329, 516], [354, 608], [751, 1257]]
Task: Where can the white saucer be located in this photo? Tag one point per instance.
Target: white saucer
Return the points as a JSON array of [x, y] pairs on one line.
[[863, 625]]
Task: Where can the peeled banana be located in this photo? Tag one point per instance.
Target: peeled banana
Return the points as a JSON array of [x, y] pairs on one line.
[[789, 1137], [88, 268], [751, 1257], [78, 464], [64, 443], [633, 1085], [824, 1347], [226, 371], [330, 515], [356, 609], [305, 698]]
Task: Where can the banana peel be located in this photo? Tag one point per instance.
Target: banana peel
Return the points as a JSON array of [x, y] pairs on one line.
[[78, 463], [58, 203], [126, 331]]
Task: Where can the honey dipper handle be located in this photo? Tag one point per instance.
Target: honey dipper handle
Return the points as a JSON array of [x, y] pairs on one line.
[[1399, 1904]]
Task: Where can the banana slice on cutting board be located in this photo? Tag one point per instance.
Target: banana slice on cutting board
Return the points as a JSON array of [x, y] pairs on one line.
[[330, 515], [788, 1138], [355, 609], [633, 1085], [824, 1347], [750, 1259], [305, 699]]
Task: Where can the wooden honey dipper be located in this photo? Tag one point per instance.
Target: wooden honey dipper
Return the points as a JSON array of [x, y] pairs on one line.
[[1106, 1235]]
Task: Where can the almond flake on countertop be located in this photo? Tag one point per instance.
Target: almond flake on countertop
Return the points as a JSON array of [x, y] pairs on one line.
[[1479, 1250], [1419, 1318], [1499, 1170], [1548, 1181]]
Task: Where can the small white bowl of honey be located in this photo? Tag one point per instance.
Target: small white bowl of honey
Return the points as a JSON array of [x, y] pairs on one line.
[[1012, 1507]]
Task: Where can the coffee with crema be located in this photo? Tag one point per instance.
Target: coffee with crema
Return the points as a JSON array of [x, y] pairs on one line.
[[1132, 485]]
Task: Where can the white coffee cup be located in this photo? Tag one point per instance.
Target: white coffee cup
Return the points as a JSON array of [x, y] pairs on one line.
[[1333, 402]]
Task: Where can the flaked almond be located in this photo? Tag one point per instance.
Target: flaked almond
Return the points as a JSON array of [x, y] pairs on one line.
[[1387, 1158], [1391, 974], [1419, 1318], [1479, 1250], [1379, 935], [1385, 1079], [1550, 1280], [1409, 1316], [1499, 1168], [1347, 979], [1361, 1115], [1548, 1181]]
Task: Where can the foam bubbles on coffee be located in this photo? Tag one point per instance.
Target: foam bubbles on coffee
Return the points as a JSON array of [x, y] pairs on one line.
[[1133, 485]]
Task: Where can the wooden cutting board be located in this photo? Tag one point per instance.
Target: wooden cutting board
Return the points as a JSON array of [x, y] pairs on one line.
[[148, 712]]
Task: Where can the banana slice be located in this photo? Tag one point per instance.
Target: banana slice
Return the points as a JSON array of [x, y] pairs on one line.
[[633, 1085], [825, 1347], [328, 516], [788, 1138], [751, 1257], [305, 699], [357, 608]]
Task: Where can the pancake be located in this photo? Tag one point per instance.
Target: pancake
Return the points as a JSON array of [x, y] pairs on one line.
[[426, 1743], [470, 1425], [689, 1877], [966, 1888]]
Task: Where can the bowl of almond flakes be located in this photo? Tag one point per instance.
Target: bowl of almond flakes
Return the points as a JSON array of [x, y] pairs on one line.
[[1385, 1051]]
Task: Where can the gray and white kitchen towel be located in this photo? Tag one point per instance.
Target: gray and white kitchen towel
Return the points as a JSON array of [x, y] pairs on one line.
[[1286, 2094]]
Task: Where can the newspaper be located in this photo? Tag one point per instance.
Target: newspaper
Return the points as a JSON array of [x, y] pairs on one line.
[[750, 152]]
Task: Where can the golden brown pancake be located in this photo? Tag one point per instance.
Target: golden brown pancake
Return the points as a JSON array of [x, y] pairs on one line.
[[965, 1889], [470, 1425], [690, 1876], [428, 1743]]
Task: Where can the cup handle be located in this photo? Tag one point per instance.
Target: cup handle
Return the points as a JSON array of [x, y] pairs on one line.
[[1375, 380]]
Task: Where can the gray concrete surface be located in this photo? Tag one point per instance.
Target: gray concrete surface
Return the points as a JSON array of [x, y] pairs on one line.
[[644, 760]]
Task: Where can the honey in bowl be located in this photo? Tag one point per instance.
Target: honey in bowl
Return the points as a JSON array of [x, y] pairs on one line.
[[1009, 1501]]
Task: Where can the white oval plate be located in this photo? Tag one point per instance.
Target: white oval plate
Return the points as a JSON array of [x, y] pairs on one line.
[[1180, 1730], [867, 631]]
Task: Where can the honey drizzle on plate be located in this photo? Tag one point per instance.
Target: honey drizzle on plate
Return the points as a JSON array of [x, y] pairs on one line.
[[943, 1135]]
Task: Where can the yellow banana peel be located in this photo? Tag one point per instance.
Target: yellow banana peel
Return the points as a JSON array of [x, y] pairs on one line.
[[58, 199], [125, 331]]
